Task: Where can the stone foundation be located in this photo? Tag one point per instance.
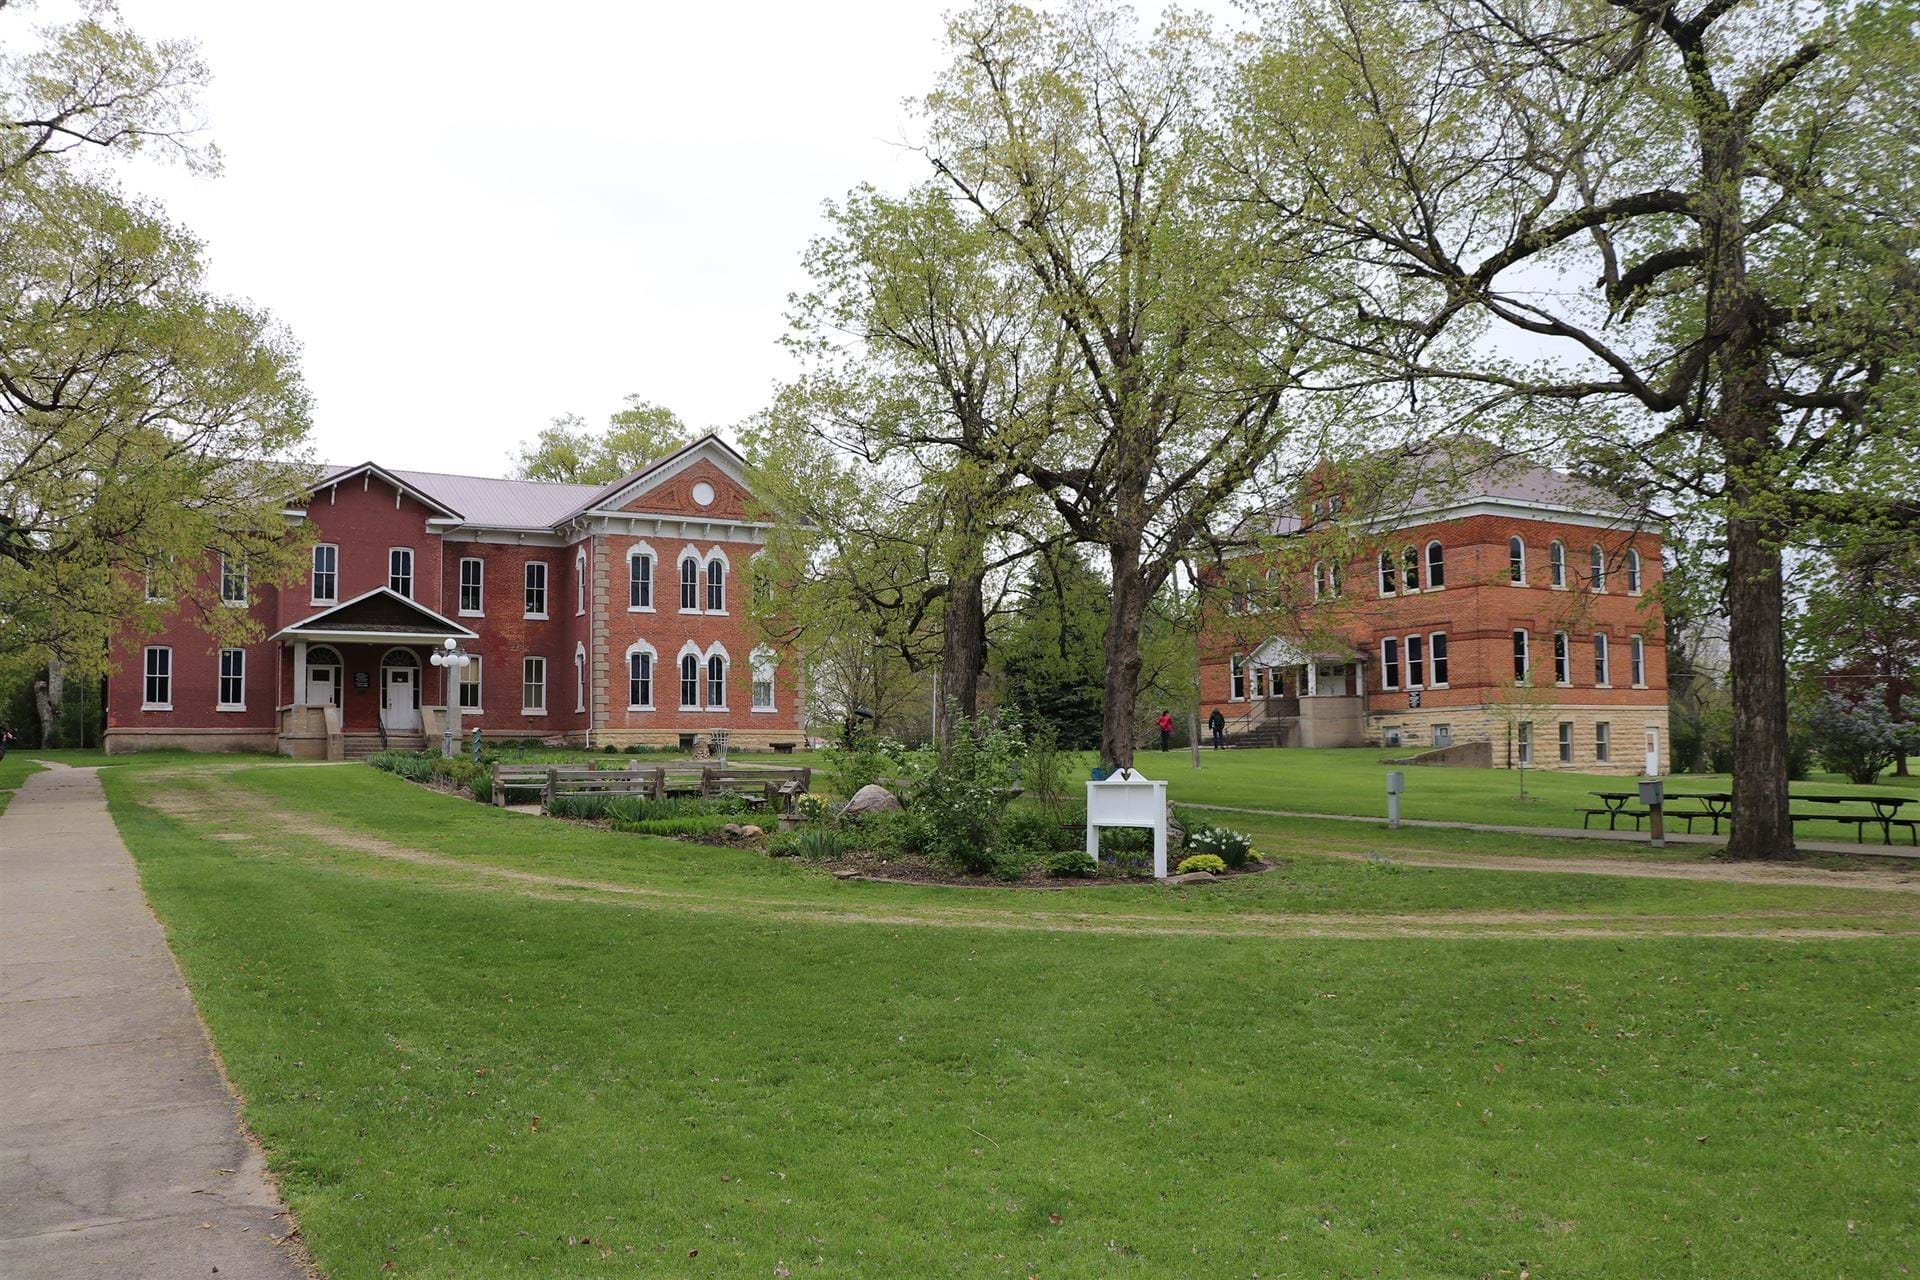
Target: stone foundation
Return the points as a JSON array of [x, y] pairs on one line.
[[121, 742], [1478, 725]]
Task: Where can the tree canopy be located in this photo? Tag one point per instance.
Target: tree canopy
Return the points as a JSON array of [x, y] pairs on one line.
[[568, 451]]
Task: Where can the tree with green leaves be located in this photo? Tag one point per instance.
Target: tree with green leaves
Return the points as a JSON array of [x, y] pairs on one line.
[[1081, 150], [1052, 658], [568, 451], [147, 425], [1679, 237]]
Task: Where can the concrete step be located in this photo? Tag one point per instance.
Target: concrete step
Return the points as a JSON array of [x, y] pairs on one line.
[[358, 746]]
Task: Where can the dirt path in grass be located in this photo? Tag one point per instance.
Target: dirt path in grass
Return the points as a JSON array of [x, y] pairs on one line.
[[205, 806]]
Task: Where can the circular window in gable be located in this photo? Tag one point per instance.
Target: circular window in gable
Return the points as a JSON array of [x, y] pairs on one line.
[[703, 494]]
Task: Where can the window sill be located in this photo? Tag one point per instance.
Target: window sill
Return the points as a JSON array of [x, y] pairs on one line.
[[472, 711], [473, 613], [1438, 684], [718, 711], [715, 613], [764, 711], [534, 617], [1601, 684], [525, 712], [686, 707], [1636, 686], [640, 608], [234, 604], [317, 604], [156, 706], [636, 707], [230, 706]]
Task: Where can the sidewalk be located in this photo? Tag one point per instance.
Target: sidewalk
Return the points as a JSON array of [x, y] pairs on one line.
[[120, 1146], [1900, 853]]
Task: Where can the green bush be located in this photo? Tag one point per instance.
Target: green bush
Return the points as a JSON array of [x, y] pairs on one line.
[[609, 749], [690, 825], [867, 760], [896, 834], [965, 797], [1230, 846], [1128, 849], [1202, 862], [815, 844], [1069, 864], [1043, 773], [1024, 827], [415, 766]]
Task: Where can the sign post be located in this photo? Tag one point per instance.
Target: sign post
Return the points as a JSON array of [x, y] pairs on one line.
[[1652, 795], [1396, 783], [1124, 798]]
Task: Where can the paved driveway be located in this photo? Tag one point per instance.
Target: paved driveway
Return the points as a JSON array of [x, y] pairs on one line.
[[120, 1146]]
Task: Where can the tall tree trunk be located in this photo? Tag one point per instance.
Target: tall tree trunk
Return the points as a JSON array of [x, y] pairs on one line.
[[963, 652], [48, 693], [1123, 651], [1761, 826]]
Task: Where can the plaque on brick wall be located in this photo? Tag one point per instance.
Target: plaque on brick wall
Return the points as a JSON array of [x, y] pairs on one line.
[[361, 680], [1413, 699]]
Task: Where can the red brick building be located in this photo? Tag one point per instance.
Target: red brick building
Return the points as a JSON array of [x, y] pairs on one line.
[[598, 614], [1510, 612]]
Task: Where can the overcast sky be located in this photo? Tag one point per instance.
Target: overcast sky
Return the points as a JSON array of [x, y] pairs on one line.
[[476, 219]]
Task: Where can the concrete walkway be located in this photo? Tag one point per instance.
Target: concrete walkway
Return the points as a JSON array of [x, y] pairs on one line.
[[120, 1145]]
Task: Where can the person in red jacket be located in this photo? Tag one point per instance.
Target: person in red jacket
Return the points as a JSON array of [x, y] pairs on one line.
[[1166, 729]]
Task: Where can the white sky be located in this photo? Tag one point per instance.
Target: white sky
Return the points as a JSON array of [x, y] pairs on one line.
[[476, 218]]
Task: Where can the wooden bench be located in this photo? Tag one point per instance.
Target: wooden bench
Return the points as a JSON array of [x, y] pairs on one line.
[[776, 788]]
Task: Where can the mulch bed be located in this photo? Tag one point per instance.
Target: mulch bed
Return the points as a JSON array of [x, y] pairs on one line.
[[897, 869]]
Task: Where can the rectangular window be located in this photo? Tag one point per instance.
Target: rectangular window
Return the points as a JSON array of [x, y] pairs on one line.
[[158, 695], [1390, 663], [533, 686], [326, 573], [1437, 655], [1637, 654], [1526, 742], [400, 571], [1600, 671], [1602, 742], [1566, 742], [536, 589], [233, 680], [1416, 661], [153, 581], [1521, 665], [640, 581], [233, 581], [1260, 682], [1562, 659], [1238, 693], [470, 684], [473, 586], [640, 680]]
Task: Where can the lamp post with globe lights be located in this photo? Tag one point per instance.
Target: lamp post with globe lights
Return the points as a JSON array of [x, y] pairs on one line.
[[451, 657]]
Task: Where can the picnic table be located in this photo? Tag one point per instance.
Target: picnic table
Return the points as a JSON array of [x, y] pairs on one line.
[[1615, 803], [1886, 813], [1715, 806]]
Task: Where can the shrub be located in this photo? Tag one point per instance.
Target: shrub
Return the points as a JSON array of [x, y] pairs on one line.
[[966, 795], [894, 834], [866, 760], [609, 749], [1858, 739], [1044, 771], [1202, 862], [690, 825], [1230, 846], [1029, 828], [1069, 864], [815, 844], [415, 766], [1129, 849]]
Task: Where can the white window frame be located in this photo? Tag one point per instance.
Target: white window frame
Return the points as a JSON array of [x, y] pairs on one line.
[[1597, 570], [1522, 657], [1566, 742], [1415, 670], [1390, 662], [579, 678], [221, 701], [1436, 565], [1637, 661], [1602, 661], [680, 676], [392, 577], [1410, 582], [1319, 580], [641, 649], [148, 675], [1603, 741], [333, 574], [1557, 564], [527, 590], [634, 580], [1388, 574], [1562, 659], [719, 655], [708, 584], [152, 595], [1516, 561], [1437, 665], [229, 573], [763, 669], [460, 687], [688, 557], [580, 586], [479, 609], [1633, 572], [1237, 678], [526, 671], [1524, 746]]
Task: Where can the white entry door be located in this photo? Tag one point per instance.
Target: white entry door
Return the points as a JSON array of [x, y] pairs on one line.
[[399, 710], [1653, 752]]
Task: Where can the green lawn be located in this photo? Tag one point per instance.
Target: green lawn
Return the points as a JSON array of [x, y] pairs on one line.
[[694, 1061]]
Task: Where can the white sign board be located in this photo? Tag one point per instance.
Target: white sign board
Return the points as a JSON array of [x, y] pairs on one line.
[[1126, 799]]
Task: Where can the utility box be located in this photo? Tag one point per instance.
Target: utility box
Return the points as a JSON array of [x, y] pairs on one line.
[[1652, 791], [1125, 798], [1396, 783]]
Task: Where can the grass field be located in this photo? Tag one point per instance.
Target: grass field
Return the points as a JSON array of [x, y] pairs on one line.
[[479, 1043]]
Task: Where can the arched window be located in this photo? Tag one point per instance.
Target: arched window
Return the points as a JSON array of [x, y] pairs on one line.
[[1320, 591], [1633, 572], [689, 681], [763, 680], [639, 678], [640, 580], [1387, 574], [1597, 573], [1516, 562], [1410, 570], [1557, 563], [1436, 566], [716, 586], [579, 677], [579, 583], [1637, 648], [716, 681], [1333, 579], [689, 585]]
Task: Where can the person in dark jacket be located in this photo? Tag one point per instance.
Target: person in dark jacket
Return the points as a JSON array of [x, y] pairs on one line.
[[1218, 724], [1165, 724]]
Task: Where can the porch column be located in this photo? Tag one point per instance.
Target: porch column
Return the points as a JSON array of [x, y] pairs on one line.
[[1313, 679], [299, 673]]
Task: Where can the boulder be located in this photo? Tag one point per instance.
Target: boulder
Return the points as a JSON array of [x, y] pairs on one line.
[[751, 832], [872, 798], [1193, 877]]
